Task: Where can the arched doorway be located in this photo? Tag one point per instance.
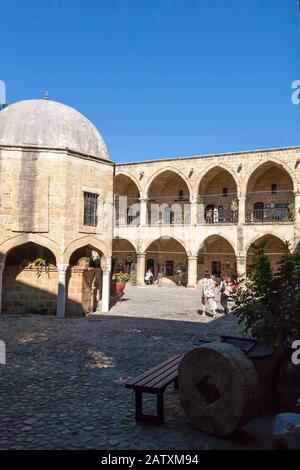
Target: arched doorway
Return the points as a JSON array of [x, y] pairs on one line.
[[126, 200], [168, 200], [217, 256], [123, 256], [84, 281], [168, 259], [217, 194], [270, 197], [30, 280], [273, 249]]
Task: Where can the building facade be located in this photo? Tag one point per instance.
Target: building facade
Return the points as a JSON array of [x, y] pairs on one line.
[[69, 217]]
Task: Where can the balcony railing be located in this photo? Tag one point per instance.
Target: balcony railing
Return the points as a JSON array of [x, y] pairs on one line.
[[269, 215], [220, 216]]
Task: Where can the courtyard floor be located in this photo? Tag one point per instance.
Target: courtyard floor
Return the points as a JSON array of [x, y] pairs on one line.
[[63, 384]]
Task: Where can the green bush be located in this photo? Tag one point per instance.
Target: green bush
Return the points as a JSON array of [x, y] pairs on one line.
[[268, 302]]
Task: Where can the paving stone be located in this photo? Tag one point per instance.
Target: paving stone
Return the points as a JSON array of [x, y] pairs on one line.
[[68, 392]]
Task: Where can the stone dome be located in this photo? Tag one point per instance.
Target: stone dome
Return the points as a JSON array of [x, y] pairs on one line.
[[45, 123]]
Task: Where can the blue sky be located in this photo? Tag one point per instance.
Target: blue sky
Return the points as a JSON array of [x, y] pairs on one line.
[[161, 78]]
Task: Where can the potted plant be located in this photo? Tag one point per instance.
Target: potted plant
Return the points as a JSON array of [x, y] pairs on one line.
[[118, 284], [234, 205], [268, 305], [84, 262], [291, 212]]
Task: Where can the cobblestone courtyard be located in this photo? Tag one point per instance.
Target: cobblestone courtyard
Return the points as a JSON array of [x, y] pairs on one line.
[[63, 384]]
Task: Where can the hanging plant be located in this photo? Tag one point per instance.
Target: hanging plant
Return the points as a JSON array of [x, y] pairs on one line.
[[41, 265], [292, 212], [234, 205]]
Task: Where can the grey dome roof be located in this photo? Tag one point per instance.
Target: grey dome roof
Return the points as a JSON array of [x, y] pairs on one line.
[[44, 123]]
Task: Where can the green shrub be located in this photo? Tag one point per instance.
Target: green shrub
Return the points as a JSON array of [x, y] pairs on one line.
[[268, 302]]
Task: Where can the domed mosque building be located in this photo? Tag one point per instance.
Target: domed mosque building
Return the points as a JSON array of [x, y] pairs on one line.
[[70, 217], [56, 187]]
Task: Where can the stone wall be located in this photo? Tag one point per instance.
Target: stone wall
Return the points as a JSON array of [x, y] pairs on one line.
[[25, 292]]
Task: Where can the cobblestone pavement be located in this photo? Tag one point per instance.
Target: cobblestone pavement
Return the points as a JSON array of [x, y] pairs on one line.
[[63, 384]]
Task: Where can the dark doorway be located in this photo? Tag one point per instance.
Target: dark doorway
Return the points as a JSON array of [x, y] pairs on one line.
[[216, 268]]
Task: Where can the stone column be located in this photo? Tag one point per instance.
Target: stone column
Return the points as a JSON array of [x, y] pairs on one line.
[[106, 278], [1, 280], [192, 271], [241, 264], [242, 209], [297, 208], [144, 211], [140, 268], [61, 293], [194, 211]]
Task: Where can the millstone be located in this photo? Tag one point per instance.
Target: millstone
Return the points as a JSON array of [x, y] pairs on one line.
[[219, 388]]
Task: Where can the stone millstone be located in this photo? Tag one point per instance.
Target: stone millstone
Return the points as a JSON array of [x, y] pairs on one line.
[[219, 388]]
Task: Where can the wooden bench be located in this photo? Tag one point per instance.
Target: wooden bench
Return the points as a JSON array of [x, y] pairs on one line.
[[155, 381]]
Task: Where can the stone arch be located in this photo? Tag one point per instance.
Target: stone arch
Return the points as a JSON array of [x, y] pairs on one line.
[[217, 255], [165, 257], [273, 249], [162, 237], [222, 166], [130, 177], [18, 240], [84, 241], [163, 170], [279, 163], [270, 192], [123, 255], [263, 236]]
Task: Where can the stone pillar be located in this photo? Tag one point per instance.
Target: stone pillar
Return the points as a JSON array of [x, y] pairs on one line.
[[144, 212], [194, 211], [242, 209], [140, 268], [297, 208], [192, 271], [241, 264], [61, 293], [1, 280], [106, 278]]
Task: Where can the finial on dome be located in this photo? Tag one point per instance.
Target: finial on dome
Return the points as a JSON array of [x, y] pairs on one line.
[[46, 95]]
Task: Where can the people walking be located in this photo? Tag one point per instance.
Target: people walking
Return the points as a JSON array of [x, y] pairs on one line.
[[225, 293], [149, 277], [208, 286]]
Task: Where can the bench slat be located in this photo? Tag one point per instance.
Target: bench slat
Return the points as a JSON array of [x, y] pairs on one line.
[[153, 370], [159, 376], [159, 386]]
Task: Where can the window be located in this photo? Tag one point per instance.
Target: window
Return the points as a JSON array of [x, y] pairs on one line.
[[225, 192], [274, 188], [90, 209], [169, 268], [180, 194]]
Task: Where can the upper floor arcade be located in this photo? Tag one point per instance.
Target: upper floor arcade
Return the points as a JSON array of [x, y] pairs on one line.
[[253, 188]]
